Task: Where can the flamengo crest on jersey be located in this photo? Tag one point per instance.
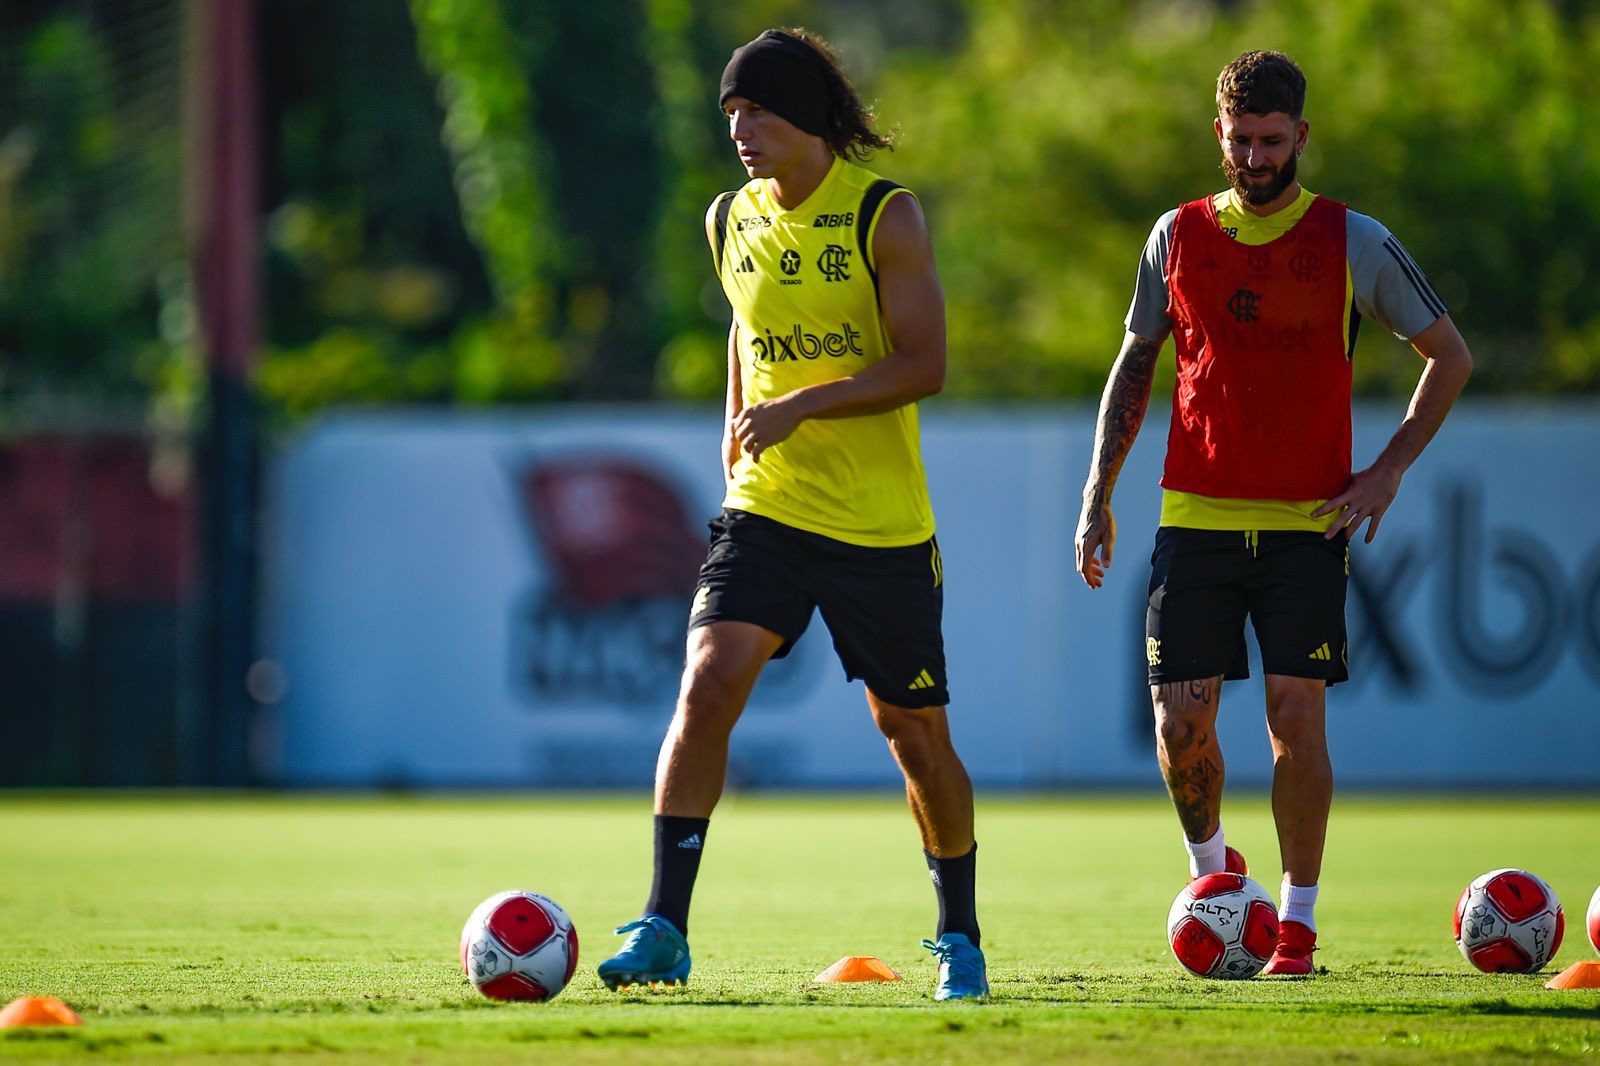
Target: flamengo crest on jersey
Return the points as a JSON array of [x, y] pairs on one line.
[[803, 287], [1261, 409]]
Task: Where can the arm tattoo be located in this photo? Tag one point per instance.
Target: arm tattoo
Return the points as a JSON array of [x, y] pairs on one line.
[[1122, 410]]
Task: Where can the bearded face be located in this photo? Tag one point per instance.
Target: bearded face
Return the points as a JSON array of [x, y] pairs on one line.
[[1261, 185], [1259, 154]]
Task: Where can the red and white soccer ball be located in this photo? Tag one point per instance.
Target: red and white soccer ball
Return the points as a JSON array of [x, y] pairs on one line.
[[1223, 925], [1594, 921], [519, 945], [1509, 921]]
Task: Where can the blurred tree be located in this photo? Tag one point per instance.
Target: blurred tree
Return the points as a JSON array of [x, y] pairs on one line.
[[374, 289], [492, 202], [1047, 145], [693, 316], [93, 300], [592, 84], [490, 130], [532, 115]]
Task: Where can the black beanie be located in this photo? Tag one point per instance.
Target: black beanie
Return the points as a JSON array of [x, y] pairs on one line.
[[784, 75]]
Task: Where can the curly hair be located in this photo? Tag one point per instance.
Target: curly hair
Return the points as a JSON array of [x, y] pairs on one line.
[[850, 122], [1259, 83]]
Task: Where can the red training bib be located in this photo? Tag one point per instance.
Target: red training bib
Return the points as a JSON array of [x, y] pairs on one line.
[[1261, 410]]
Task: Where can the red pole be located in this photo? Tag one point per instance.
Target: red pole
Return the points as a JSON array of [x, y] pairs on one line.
[[223, 199], [225, 263]]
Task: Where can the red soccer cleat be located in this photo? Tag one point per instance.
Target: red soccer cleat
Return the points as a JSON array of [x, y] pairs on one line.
[[1233, 863], [1296, 942]]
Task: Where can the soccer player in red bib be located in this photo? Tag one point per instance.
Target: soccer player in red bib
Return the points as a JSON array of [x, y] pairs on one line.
[[1263, 288]]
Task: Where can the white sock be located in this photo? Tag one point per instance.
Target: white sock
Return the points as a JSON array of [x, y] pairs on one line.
[[1208, 856], [1299, 903]]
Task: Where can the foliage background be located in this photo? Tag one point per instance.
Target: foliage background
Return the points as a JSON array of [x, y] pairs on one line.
[[483, 203]]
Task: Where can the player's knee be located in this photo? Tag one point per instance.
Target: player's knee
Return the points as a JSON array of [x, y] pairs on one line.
[[899, 726], [912, 737], [918, 755], [1297, 723], [709, 683], [711, 698], [1179, 726], [1175, 732]]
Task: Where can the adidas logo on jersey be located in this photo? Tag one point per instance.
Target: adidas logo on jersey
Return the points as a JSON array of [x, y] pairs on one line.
[[692, 842], [744, 266]]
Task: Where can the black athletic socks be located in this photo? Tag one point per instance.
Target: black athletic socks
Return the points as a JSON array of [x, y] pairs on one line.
[[678, 844], [953, 881]]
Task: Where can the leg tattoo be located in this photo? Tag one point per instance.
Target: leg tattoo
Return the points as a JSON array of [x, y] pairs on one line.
[[1192, 789], [1191, 762]]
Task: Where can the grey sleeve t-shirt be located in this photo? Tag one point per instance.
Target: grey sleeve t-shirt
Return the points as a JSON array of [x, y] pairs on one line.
[[1385, 282]]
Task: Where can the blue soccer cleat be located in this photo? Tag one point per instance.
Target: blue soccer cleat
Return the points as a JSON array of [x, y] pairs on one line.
[[962, 974], [655, 953]]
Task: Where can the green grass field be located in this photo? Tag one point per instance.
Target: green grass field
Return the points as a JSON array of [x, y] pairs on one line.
[[246, 929]]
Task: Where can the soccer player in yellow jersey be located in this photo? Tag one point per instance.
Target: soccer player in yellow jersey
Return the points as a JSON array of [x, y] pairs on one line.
[[838, 330], [1262, 287]]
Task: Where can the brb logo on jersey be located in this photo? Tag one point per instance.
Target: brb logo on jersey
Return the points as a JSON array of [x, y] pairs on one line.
[[797, 344]]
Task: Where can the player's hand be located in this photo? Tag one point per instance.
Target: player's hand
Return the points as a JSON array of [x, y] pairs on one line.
[[1097, 530], [759, 427], [1370, 493]]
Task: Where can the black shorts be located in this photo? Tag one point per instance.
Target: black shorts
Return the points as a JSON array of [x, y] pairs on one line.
[[884, 606], [1203, 584]]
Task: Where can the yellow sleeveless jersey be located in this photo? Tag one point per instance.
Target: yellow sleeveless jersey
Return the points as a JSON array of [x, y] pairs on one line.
[[1193, 511], [804, 294]]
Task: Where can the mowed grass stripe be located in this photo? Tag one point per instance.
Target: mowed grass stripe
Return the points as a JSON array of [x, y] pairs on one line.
[[251, 927]]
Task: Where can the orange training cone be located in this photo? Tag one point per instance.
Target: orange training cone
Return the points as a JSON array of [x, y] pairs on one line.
[[1585, 974], [38, 1010], [858, 968]]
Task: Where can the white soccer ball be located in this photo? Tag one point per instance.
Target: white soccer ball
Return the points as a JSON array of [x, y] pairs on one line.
[[1508, 921], [1223, 925], [519, 945]]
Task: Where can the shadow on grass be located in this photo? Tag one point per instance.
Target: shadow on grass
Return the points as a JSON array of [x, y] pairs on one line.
[[1554, 1010]]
